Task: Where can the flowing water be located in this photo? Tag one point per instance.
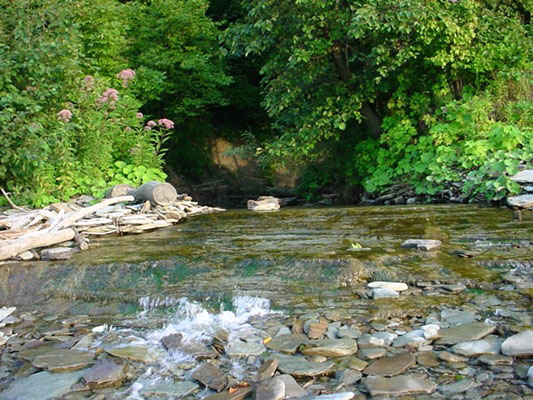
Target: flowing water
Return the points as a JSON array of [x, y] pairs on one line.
[[222, 271]]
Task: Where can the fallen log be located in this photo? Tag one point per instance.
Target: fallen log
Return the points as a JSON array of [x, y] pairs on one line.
[[39, 239], [161, 193], [118, 190]]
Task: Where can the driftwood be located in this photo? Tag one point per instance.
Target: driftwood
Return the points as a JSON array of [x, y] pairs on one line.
[[160, 193], [118, 191], [39, 239]]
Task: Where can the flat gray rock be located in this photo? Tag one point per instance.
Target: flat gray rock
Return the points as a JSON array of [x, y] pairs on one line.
[[210, 376], [465, 333], [287, 344], [299, 367], [64, 360], [41, 386], [105, 373], [334, 396], [525, 176], [457, 317], [244, 349], [292, 389], [519, 345], [399, 385], [460, 386], [384, 293], [422, 244], [267, 370], [523, 201], [137, 353], [332, 348], [477, 347], [391, 366], [271, 389], [56, 253], [396, 286]]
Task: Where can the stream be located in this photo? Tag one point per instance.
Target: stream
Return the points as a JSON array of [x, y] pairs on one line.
[[198, 308]]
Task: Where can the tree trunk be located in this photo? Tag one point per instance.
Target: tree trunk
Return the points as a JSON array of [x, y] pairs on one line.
[[161, 193], [40, 239], [372, 121]]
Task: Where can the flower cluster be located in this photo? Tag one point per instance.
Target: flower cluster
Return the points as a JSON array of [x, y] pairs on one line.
[[64, 115], [109, 96], [88, 81], [126, 75], [166, 123]]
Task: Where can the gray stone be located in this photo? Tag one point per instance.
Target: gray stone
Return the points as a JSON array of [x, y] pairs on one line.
[[105, 373], [334, 396], [210, 376], [267, 370], [414, 338], [457, 317], [387, 337], [372, 353], [524, 176], [384, 293], [399, 385], [367, 341], [299, 367], [391, 366], [465, 333], [287, 343], [332, 348], [422, 244], [292, 389], [244, 349], [271, 389], [519, 345], [396, 286], [238, 394], [496, 359], [350, 376], [523, 201], [477, 347], [137, 353], [460, 386], [64, 360], [41, 386], [56, 253], [167, 387]]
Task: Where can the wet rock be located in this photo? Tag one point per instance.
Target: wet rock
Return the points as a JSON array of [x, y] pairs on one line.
[[56, 253], [372, 353], [349, 376], [267, 370], [299, 367], [334, 396], [172, 342], [523, 201], [105, 373], [384, 293], [465, 333], [210, 376], [244, 349], [395, 286], [287, 343], [64, 360], [399, 385], [292, 389], [428, 359], [41, 386], [316, 329], [391, 366], [237, 394], [166, 387], [477, 347], [460, 386], [422, 244], [519, 345], [137, 353], [271, 389], [333, 348]]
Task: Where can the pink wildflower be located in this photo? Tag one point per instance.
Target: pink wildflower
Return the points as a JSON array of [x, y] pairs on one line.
[[126, 75], [88, 80], [64, 115], [151, 124], [109, 96], [147, 128], [140, 115], [166, 123], [127, 129]]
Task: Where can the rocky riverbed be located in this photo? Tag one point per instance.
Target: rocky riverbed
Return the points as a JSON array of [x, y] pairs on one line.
[[343, 303]]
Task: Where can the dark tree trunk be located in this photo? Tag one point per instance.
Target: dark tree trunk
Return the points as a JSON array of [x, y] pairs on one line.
[[372, 120]]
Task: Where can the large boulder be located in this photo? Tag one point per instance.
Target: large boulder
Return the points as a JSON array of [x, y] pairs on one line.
[[264, 203]]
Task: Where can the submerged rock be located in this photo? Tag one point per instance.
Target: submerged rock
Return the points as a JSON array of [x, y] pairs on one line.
[[210, 376], [333, 348], [244, 349], [299, 367], [41, 386], [105, 373], [399, 385], [137, 353], [287, 343], [519, 345], [391, 366], [167, 388], [422, 244]]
